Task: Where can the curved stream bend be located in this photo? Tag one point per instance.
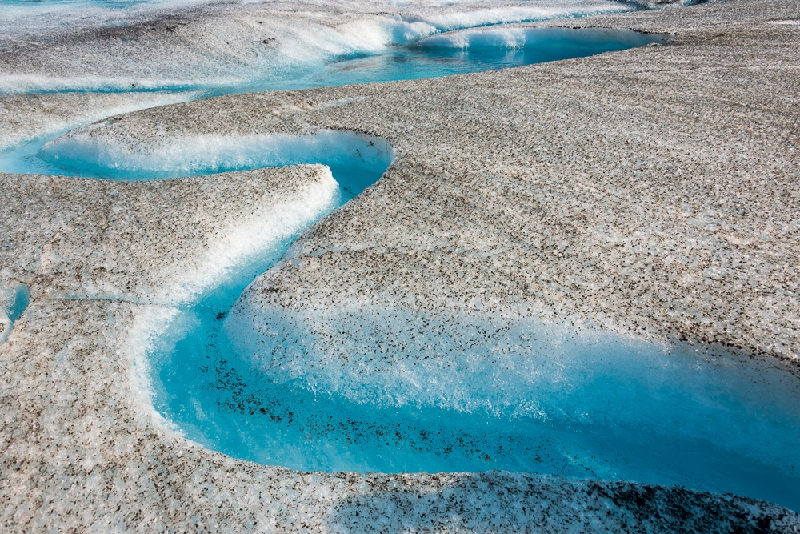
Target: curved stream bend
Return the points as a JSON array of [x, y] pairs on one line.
[[387, 389], [390, 389]]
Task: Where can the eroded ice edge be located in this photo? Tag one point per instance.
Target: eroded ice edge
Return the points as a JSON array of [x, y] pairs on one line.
[[368, 387]]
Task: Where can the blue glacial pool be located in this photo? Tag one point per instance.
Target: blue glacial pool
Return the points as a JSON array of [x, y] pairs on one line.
[[401, 390]]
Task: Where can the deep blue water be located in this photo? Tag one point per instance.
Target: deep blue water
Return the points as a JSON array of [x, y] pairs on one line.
[[537, 398]]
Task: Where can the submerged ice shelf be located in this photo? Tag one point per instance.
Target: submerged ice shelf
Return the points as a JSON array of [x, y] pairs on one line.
[[392, 390], [383, 389]]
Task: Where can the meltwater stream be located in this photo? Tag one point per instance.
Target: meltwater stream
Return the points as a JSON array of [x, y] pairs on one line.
[[461, 53], [391, 389]]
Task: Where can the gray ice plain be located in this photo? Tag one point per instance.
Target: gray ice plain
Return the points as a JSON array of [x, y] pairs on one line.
[[599, 243]]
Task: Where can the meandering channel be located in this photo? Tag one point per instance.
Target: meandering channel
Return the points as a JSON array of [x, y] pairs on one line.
[[510, 394]]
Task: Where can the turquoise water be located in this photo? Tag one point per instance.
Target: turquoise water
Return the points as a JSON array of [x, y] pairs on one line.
[[13, 302], [467, 51], [589, 405], [531, 397], [464, 52], [355, 160], [448, 393]]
